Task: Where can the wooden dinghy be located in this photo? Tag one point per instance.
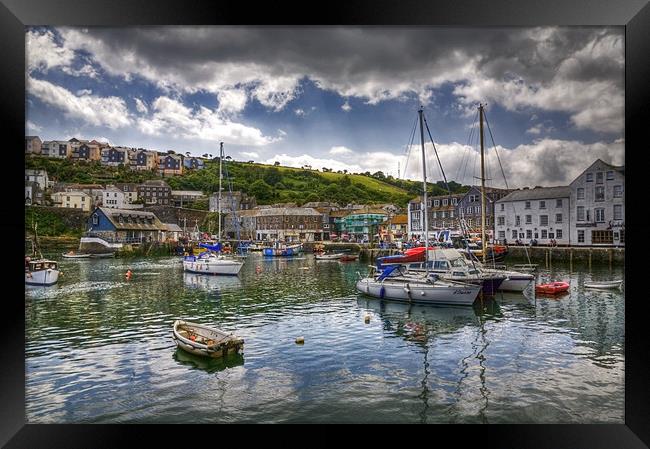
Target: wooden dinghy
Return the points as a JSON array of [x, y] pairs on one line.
[[73, 255], [206, 341], [606, 284]]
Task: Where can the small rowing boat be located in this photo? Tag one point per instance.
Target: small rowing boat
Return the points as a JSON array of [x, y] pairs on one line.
[[206, 341], [73, 255], [335, 256], [606, 284], [552, 288]]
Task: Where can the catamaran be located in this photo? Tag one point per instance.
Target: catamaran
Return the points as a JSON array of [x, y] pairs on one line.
[[213, 261]]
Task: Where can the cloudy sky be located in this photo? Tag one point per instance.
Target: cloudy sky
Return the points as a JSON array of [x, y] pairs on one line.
[[339, 97]]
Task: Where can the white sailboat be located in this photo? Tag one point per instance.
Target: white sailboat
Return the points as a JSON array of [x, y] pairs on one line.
[[213, 261], [395, 284]]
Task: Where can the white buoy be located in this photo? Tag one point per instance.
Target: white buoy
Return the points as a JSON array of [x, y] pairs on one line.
[[367, 319], [300, 340]]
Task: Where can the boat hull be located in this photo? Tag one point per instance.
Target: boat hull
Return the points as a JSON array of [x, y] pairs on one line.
[[515, 284], [419, 293], [604, 285], [210, 342], [220, 267], [44, 277], [282, 252], [488, 286]]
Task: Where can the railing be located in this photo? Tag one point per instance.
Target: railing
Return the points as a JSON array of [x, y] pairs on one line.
[[115, 240]]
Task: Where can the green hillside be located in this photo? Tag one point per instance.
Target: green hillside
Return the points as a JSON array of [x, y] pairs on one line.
[[268, 183]]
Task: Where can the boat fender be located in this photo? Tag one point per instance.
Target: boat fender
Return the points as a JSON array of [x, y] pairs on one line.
[[382, 292], [29, 275], [422, 293]]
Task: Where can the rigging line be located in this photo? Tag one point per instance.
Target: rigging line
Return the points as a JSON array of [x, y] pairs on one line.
[[504, 177], [409, 145], [466, 152], [426, 124]]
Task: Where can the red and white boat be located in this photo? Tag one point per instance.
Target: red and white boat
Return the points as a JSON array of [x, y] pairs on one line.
[[552, 288]]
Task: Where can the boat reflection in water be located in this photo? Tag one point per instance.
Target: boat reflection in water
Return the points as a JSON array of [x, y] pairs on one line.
[[210, 365], [422, 325], [211, 283]]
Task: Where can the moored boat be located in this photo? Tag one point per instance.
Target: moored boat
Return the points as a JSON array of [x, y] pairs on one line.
[[552, 288], [283, 250], [332, 256], [205, 341], [41, 272], [73, 255], [348, 258], [604, 285]]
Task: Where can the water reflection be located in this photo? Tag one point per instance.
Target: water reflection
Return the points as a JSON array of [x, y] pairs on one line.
[[208, 364], [211, 283]]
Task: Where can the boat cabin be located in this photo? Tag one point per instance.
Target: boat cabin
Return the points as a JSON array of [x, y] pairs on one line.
[[40, 265], [446, 261]]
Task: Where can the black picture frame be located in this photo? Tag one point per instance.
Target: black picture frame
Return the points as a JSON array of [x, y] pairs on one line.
[[633, 14]]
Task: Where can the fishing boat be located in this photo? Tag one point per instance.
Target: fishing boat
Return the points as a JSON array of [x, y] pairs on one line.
[[39, 270], [552, 288], [331, 256], [283, 250], [205, 341], [604, 285], [214, 260], [73, 255], [449, 264]]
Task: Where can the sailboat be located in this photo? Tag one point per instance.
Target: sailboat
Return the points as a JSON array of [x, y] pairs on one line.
[[396, 284], [38, 270], [213, 261]]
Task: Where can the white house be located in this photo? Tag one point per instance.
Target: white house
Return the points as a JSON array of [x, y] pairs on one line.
[[39, 177], [598, 206], [541, 213]]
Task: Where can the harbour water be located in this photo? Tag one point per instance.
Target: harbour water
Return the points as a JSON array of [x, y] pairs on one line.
[[99, 349]]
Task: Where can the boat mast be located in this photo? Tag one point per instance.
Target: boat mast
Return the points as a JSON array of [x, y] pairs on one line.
[[424, 184], [483, 242], [219, 200]]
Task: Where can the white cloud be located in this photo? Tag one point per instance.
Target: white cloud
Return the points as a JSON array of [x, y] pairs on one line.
[[346, 106], [141, 106], [84, 92], [231, 101], [249, 154], [299, 112], [43, 53], [340, 151], [98, 111], [31, 127], [173, 119]]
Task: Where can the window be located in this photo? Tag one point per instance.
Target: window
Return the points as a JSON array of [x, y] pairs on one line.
[[602, 237], [454, 201], [83, 198], [544, 234], [558, 203], [527, 206], [600, 215], [529, 234], [517, 220], [469, 210], [581, 193], [599, 194], [543, 220], [451, 214], [436, 203], [551, 235], [622, 238], [477, 209], [618, 191], [610, 175], [501, 221], [558, 233], [445, 202], [581, 213], [618, 212], [502, 207], [95, 219], [558, 218], [514, 233], [529, 219], [581, 236], [542, 204], [590, 177], [588, 214], [502, 235], [599, 177]]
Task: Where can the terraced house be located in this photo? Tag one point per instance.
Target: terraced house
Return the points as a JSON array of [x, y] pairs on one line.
[[469, 207], [170, 164], [155, 192], [115, 156], [144, 160], [288, 224]]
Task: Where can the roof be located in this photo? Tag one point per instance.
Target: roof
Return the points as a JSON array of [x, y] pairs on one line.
[[187, 192], [286, 211], [172, 227], [400, 219], [112, 215], [154, 182], [365, 211], [620, 168], [73, 192], [538, 193]]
